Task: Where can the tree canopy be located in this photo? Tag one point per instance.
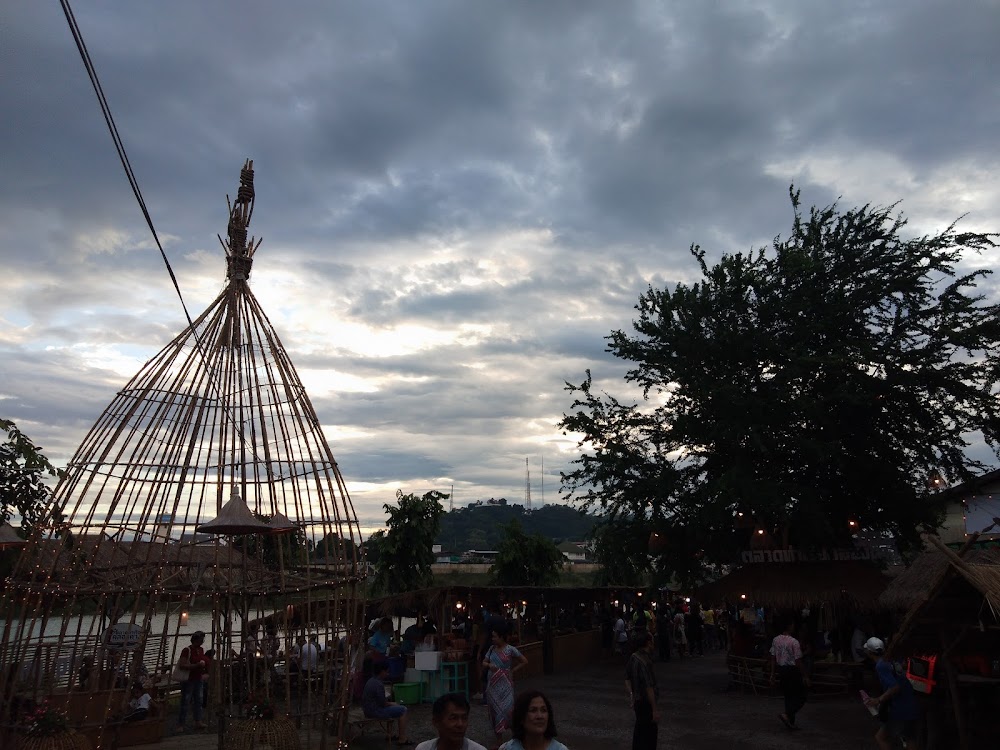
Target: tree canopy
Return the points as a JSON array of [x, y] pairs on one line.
[[23, 468], [795, 389], [525, 559], [404, 553]]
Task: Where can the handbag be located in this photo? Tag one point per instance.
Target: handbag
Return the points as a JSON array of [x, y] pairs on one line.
[[180, 674]]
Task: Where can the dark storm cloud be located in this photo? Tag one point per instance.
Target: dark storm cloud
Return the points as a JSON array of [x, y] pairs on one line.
[[498, 181]]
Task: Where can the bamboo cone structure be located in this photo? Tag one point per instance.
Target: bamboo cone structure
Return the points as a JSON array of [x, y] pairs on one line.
[[215, 434]]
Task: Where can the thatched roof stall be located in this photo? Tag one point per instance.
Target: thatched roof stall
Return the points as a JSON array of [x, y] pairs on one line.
[[197, 489], [909, 587], [958, 618], [854, 583]]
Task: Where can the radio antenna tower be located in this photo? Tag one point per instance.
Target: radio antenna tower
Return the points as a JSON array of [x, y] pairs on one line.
[[527, 485], [542, 503]]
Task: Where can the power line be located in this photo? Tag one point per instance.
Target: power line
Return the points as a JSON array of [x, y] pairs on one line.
[[81, 46]]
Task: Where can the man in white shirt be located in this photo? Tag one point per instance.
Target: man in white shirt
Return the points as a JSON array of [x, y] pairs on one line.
[[450, 716], [308, 658], [621, 634]]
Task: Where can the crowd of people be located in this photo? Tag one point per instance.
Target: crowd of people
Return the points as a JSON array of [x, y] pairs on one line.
[[640, 634], [679, 628]]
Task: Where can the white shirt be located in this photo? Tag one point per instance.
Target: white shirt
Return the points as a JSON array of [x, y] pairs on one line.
[[620, 630], [466, 745], [308, 657]]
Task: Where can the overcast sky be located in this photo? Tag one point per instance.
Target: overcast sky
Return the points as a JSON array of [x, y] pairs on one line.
[[458, 200]]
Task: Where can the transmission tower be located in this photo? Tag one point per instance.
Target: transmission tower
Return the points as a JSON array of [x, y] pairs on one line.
[[527, 485]]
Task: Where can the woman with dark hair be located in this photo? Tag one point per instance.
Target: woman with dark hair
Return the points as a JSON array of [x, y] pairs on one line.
[[533, 724], [502, 660]]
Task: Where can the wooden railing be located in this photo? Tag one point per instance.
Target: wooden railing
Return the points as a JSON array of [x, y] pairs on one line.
[[827, 678]]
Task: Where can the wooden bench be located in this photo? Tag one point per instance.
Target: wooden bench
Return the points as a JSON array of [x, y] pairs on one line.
[[836, 677], [92, 714], [750, 673], [827, 678]]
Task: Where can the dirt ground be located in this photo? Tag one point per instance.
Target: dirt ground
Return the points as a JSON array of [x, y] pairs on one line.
[[592, 713], [699, 713]]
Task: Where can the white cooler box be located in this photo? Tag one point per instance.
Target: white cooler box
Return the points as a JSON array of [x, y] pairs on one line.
[[427, 661]]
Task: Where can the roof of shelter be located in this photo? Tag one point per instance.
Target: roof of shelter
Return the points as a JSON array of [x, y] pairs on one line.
[[795, 584], [959, 602], [910, 586]]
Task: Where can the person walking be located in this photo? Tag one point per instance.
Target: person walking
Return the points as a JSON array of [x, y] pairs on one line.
[[621, 633], [695, 629], [786, 661], [502, 661], [664, 630], [898, 711], [643, 693]]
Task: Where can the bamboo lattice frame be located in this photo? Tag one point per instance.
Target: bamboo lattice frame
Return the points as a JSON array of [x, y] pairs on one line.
[[216, 420]]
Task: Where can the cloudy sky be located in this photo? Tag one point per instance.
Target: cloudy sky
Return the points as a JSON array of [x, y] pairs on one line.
[[458, 200]]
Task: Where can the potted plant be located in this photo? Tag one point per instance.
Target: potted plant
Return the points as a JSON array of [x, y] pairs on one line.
[[46, 727], [262, 726]]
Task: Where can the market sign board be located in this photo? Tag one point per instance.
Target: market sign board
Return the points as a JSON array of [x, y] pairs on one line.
[[823, 555], [124, 636]]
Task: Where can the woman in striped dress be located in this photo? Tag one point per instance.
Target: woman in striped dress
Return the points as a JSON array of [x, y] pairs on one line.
[[502, 660]]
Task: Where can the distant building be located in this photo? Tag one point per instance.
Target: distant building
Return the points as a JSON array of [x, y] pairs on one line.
[[162, 527], [574, 551], [479, 555], [973, 506], [195, 538]]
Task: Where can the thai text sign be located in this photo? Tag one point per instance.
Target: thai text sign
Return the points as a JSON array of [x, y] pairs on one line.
[[795, 555], [124, 636]]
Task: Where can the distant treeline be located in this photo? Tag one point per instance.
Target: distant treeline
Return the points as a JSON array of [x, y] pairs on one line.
[[481, 527]]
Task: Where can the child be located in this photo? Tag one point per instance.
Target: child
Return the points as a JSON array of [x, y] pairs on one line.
[[209, 658], [140, 704]]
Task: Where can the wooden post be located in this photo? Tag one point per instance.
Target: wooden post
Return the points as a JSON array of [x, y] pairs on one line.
[[956, 702]]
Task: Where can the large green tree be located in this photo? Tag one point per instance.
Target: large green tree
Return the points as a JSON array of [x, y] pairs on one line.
[[796, 388], [23, 468], [525, 559], [404, 553]]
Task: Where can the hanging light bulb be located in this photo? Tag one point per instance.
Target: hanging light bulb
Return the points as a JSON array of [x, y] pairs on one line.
[[184, 617]]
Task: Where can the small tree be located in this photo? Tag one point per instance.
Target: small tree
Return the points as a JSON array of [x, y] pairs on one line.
[[796, 389], [405, 553], [621, 548], [525, 559], [23, 491], [334, 546]]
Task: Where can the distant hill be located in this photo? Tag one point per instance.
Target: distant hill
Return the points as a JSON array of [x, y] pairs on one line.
[[481, 527]]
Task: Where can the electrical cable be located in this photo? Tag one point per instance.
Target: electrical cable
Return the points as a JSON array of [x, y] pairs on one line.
[[81, 47], [119, 145]]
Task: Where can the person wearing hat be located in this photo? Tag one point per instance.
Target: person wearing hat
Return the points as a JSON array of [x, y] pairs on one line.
[[898, 711], [192, 659]]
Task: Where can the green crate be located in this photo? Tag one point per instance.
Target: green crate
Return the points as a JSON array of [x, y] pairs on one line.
[[407, 693]]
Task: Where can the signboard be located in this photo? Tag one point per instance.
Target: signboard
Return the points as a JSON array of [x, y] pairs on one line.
[[124, 637], [794, 555]]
